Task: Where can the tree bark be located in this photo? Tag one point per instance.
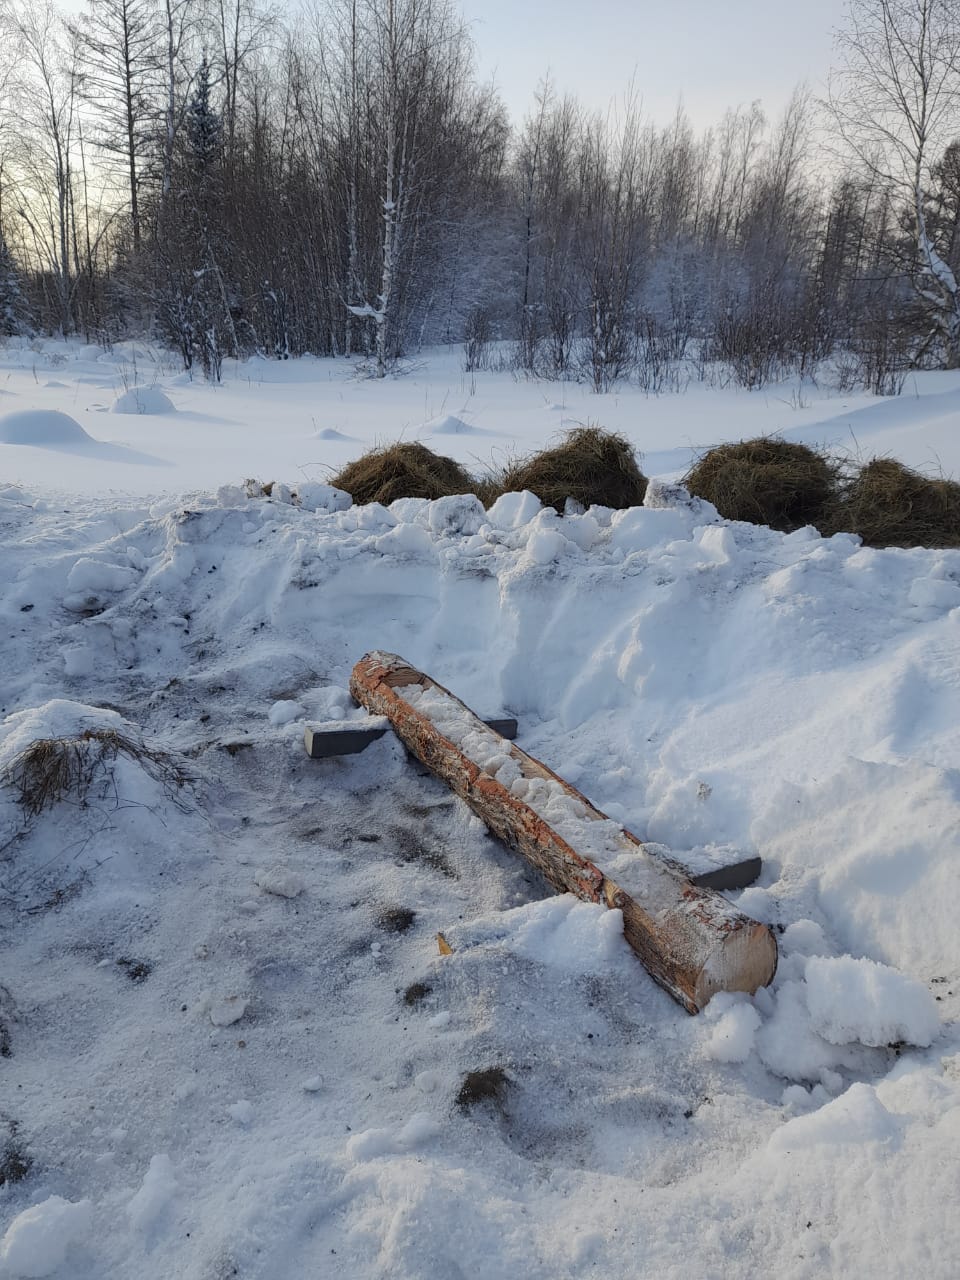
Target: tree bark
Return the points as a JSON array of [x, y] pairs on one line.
[[691, 941]]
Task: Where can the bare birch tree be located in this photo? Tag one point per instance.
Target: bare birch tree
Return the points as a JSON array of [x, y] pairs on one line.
[[894, 101]]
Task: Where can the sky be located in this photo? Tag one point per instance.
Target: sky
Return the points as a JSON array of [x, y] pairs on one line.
[[711, 54]]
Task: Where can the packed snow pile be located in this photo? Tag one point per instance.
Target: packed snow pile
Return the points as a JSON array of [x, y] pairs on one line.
[[233, 1045], [143, 400], [38, 1240]]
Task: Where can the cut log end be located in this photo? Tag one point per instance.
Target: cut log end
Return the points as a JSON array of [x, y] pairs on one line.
[[745, 960]]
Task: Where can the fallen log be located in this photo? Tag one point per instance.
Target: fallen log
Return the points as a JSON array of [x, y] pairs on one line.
[[690, 940]]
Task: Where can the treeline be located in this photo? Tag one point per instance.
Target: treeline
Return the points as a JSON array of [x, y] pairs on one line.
[[197, 171]]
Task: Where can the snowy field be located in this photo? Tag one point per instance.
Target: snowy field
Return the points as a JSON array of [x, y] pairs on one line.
[[232, 1048]]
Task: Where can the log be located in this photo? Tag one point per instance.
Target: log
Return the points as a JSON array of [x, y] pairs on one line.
[[690, 940]]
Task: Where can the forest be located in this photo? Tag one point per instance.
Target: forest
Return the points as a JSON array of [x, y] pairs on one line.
[[226, 179]]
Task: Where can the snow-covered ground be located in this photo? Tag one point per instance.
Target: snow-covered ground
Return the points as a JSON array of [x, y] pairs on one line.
[[234, 1049], [154, 431]]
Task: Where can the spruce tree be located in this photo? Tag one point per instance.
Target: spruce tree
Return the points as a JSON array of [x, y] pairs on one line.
[[13, 308]]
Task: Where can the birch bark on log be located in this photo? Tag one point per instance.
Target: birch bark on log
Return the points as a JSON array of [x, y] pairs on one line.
[[690, 940]]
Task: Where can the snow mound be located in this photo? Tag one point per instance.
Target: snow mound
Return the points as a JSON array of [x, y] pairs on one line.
[[331, 433], [59, 718], [156, 1191], [561, 932], [857, 1117], [97, 804], [315, 496], [143, 400], [449, 425], [38, 1240], [735, 1028], [280, 881], [42, 427], [859, 1000]]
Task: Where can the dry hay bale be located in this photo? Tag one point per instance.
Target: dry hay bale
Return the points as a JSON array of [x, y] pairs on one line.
[[402, 471], [590, 466], [890, 505], [766, 481]]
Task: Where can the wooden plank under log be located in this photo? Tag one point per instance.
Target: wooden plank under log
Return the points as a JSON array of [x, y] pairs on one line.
[[691, 941], [348, 738]]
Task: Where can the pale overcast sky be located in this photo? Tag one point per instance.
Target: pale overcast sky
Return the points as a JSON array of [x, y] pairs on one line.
[[713, 54]]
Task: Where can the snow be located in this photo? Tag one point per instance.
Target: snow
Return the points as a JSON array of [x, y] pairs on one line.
[[284, 711], [732, 1039], [859, 1000], [41, 428], [230, 1048], [281, 881], [38, 1240], [144, 400], [156, 1191], [855, 1118]]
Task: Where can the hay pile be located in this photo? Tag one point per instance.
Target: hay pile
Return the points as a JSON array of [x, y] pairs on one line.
[[766, 481], [890, 505], [763, 481], [402, 471], [590, 466]]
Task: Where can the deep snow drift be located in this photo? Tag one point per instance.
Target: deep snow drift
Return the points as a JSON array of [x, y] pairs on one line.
[[234, 1049]]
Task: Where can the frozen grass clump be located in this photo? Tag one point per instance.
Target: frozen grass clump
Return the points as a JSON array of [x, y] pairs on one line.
[[890, 505], [591, 466], [766, 481], [408, 470], [50, 770]]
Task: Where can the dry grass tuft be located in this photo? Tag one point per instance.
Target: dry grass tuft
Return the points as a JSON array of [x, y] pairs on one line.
[[488, 1085], [766, 481], [395, 919], [590, 466], [52, 769], [416, 992], [402, 471], [890, 505]]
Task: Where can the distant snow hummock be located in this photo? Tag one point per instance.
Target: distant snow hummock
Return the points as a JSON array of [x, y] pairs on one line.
[[452, 426], [44, 427], [143, 400], [331, 433]]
